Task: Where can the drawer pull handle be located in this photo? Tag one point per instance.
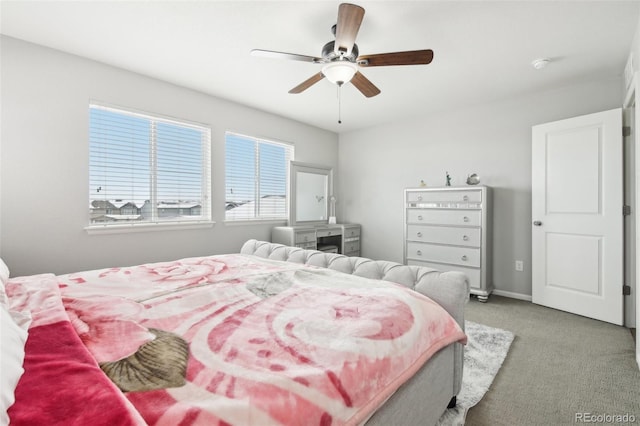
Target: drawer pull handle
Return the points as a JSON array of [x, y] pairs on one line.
[[419, 252], [419, 217], [465, 238], [465, 219], [464, 257], [465, 198], [419, 234]]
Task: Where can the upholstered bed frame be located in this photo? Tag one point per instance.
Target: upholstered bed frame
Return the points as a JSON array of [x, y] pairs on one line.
[[423, 399]]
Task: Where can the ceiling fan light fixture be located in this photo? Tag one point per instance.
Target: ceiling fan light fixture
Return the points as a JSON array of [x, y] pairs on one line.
[[341, 57], [339, 72]]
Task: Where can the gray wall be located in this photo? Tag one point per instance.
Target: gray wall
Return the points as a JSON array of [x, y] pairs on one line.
[[492, 140], [44, 171]]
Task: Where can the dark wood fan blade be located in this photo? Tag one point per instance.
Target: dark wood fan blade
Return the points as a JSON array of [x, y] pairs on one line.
[[349, 20], [413, 57], [365, 86], [283, 55], [307, 83]]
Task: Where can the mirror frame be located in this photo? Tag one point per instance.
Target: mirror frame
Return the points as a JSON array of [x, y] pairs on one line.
[[297, 167]]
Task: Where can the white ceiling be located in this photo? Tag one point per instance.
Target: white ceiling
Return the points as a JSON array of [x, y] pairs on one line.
[[482, 49]]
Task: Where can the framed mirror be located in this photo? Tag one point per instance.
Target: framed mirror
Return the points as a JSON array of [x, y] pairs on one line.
[[311, 187]]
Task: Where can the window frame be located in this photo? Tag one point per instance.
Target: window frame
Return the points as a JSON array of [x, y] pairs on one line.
[[205, 220], [289, 157]]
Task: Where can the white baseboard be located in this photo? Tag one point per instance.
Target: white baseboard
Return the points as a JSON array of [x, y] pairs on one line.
[[512, 295]]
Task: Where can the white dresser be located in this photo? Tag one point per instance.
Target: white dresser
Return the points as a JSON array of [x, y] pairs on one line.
[[344, 237], [449, 229]]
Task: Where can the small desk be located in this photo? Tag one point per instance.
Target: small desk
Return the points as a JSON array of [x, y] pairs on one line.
[[343, 237]]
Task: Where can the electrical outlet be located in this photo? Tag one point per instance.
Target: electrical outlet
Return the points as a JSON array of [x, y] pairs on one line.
[[519, 266]]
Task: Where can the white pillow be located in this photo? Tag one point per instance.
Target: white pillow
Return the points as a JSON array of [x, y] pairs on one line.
[[13, 335], [4, 272], [4, 277]]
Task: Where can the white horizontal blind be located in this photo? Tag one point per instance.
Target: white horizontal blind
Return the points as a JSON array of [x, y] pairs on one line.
[[145, 169], [256, 178]]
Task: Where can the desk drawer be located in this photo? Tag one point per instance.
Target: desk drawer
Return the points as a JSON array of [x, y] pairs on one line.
[[308, 246], [305, 237], [440, 196], [444, 235], [444, 217], [465, 256], [351, 247], [328, 232], [351, 232]]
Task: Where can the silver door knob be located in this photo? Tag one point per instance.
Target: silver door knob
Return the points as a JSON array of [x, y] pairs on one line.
[[537, 223]]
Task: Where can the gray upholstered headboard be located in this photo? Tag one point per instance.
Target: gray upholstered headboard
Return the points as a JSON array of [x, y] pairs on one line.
[[449, 289]]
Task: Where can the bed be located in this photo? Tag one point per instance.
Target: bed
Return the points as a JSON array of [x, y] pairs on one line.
[[270, 335]]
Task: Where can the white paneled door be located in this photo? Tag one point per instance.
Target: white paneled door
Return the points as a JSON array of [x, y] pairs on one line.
[[577, 202]]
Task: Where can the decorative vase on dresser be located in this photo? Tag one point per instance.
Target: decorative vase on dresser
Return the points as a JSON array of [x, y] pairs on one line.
[[449, 229]]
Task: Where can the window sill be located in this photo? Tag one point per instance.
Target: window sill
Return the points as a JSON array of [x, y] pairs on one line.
[[240, 222], [146, 227]]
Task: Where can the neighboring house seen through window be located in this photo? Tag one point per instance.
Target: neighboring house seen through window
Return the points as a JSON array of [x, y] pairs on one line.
[[256, 178], [145, 169]]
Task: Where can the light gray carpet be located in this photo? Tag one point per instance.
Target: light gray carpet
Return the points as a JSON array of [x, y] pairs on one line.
[[484, 354], [559, 365]]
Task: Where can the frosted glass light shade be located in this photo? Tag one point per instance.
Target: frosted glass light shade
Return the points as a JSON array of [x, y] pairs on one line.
[[339, 72]]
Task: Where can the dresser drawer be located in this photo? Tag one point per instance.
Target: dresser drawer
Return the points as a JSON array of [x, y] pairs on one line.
[[440, 196], [444, 217], [472, 273], [465, 256], [305, 237], [444, 235]]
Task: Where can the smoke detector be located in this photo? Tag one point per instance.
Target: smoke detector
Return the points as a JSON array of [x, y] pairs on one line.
[[540, 63]]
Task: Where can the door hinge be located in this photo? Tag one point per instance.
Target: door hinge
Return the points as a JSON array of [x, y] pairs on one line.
[[626, 131], [626, 290], [626, 210]]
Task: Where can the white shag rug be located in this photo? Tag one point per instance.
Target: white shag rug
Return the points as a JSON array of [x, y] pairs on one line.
[[484, 354]]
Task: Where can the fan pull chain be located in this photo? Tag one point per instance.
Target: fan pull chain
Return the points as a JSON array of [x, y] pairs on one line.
[[339, 104]]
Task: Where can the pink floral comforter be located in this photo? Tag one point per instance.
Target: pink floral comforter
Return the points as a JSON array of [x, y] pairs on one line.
[[240, 340]]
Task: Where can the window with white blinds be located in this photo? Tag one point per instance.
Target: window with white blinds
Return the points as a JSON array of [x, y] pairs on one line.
[[256, 178], [145, 169]]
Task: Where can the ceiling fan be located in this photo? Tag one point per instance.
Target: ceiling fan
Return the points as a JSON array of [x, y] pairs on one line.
[[341, 57]]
